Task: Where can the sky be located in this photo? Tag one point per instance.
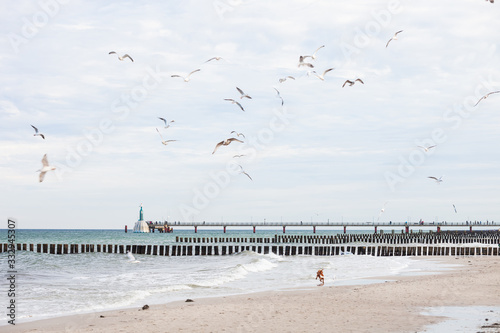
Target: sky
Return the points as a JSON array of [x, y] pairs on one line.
[[329, 153]]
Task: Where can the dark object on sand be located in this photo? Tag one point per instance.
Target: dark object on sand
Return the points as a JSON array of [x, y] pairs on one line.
[[189, 300], [145, 307]]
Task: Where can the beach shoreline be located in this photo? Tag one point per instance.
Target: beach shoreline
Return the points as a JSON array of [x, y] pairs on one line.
[[394, 305]]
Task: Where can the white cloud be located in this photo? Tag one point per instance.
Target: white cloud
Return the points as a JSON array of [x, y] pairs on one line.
[[329, 156]]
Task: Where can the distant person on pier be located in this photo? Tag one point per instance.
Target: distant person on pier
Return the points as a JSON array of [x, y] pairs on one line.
[[319, 274]]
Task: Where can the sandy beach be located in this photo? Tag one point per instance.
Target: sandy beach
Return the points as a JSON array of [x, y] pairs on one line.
[[394, 305]]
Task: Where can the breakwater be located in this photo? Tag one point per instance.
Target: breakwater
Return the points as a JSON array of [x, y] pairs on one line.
[[391, 244]]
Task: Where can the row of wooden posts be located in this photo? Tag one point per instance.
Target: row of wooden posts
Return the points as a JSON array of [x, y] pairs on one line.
[[452, 237], [291, 249]]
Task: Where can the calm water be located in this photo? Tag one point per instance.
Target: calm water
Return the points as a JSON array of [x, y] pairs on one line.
[[54, 285]]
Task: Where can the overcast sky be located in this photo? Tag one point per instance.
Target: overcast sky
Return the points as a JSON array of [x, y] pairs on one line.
[[329, 153]]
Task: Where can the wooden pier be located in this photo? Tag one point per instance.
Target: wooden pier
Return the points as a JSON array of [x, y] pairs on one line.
[[486, 243], [407, 226]]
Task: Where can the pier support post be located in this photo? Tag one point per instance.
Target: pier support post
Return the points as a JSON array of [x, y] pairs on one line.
[[375, 229], [284, 229], [254, 229], [345, 229], [224, 229], [125, 228], [314, 229], [470, 228], [195, 229]]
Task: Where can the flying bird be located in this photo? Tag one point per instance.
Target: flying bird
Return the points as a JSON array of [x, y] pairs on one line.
[[167, 123], [165, 142], [237, 134], [243, 172], [187, 78], [486, 96], [322, 76], [395, 37], [426, 148], [123, 57], [285, 78], [438, 180], [279, 96], [225, 143], [455, 208], [36, 132], [302, 63], [214, 58], [45, 167], [313, 57], [242, 94], [236, 156], [352, 82], [381, 211], [234, 102]]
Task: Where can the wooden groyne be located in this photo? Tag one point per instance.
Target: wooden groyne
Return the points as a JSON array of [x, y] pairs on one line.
[[429, 244], [286, 250], [450, 237]]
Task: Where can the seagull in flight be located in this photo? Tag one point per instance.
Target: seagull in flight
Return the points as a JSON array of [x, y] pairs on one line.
[[438, 180], [45, 167], [279, 96], [381, 211], [426, 149], [214, 58], [243, 172], [165, 142], [285, 78], [187, 78], [122, 57], [242, 94], [225, 143], [36, 132], [302, 63], [351, 83], [234, 102], [322, 76], [395, 37], [167, 123], [236, 156], [486, 96], [238, 134], [313, 57]]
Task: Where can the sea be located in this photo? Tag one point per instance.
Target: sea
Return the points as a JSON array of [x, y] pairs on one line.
[[49, 285]]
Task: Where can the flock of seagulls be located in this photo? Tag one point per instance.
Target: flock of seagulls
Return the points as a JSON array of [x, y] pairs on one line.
[[303, 62]]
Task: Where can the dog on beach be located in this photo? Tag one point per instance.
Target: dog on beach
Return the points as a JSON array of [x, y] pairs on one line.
[[320, 275]]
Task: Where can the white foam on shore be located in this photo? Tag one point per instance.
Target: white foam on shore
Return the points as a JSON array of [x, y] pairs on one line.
[[464, 319]]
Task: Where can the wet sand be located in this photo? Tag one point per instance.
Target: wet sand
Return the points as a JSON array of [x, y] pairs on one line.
[[394, 305]]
